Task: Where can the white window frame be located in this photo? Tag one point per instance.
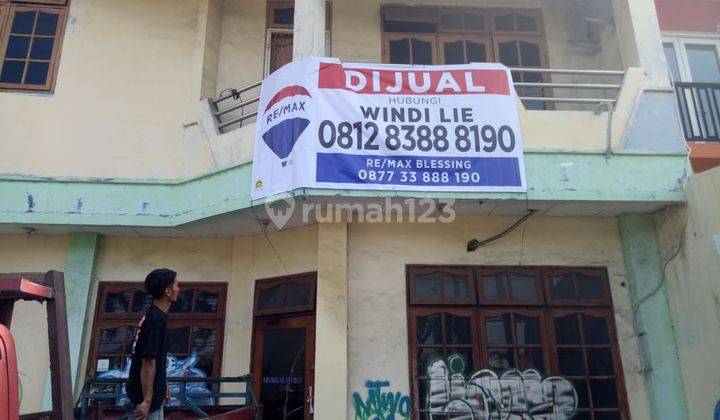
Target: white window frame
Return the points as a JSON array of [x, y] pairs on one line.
[[680, 40]]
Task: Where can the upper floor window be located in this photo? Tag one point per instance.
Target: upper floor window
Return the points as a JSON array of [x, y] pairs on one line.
[[436, 35], [694, 66], [31, 35]]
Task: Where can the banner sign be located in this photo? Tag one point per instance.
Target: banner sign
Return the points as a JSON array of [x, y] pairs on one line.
[[323, 123]]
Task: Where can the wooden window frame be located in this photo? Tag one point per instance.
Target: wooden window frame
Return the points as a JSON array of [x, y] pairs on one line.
[[475, 37], [605, 286], [268, 283], [418, 270], [492, 312], [6, 18], [535, 13], [530, 272], [414, 311], [273, 5], [530, 39], [103, 320], [489, 13], [484, 12], [614, 345], [394, 36], [546, 310]]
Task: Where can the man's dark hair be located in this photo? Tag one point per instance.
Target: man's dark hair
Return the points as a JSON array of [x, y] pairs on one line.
[[158, 280]]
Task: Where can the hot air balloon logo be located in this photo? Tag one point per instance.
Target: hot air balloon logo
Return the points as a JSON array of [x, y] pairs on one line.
[[284, 114]]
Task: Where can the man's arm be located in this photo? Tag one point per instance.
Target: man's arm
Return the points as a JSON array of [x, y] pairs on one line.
[[147, 377]]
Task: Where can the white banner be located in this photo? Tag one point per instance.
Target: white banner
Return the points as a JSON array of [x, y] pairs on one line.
[[326, 124]]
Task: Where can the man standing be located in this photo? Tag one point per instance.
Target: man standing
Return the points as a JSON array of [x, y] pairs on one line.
[[147, 388]]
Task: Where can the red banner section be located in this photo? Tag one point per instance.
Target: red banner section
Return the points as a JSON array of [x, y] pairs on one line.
[[413, 82]]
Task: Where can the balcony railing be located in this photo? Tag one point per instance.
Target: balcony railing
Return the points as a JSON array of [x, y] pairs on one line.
[[699, 111], [110, 392], [539, 89]]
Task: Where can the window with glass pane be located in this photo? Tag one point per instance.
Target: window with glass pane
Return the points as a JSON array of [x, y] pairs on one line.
[[516, 326], [195, 327], [585, 354], [671, 57], [411, 49], [442, 286], [441, 335], [30, 45], [703, 63], [577, 286], [285, 294], [514, 340], [510, 287]]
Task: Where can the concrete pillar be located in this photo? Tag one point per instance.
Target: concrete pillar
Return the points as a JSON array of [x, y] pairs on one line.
[[309, 29], [640, 42], [207, 50], [80, 287], [653, 322], [331, 353]]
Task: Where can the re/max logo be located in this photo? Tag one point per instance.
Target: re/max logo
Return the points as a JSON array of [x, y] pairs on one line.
[[284, 110]]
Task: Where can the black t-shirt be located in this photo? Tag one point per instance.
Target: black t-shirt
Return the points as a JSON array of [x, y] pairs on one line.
[[149, 342]]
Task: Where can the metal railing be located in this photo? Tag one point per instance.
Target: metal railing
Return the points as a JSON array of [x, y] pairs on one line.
[[90, 394], [232, 109], [537, 88], [547, 88], [699, 110]]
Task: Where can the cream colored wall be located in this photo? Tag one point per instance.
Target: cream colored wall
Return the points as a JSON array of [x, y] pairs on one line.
[[237, 261], [125, 87], [19, 253], [255, 259], [378, 255], [693, 288], [242, 44]]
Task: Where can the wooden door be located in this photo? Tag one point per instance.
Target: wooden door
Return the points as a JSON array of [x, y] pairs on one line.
[[281, 49], [283, 367]]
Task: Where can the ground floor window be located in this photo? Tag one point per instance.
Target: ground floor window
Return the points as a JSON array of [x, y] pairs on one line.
[[518, 342], [194, 337]]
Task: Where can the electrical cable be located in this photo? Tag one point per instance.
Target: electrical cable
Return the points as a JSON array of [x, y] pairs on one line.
[[474, 244], [267, 238]]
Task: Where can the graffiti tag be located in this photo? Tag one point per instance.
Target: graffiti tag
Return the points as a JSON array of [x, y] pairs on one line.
[[379, 405], [513, 395]]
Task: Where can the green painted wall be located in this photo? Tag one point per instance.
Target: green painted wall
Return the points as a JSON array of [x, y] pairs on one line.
[[653, 323], [571, 176]]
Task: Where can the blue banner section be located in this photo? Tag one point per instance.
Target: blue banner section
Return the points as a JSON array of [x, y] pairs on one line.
[[418, 170]]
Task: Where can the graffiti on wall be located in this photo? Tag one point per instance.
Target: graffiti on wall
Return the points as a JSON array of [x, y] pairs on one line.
[[484, 395], [197, 392], [380, 404]]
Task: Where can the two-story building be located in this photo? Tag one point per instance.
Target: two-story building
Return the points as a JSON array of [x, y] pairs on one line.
[[126, 144]]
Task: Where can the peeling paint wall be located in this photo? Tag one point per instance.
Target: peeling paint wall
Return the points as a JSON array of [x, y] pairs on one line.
[[378, 254], [690, 240], [19, 253]]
